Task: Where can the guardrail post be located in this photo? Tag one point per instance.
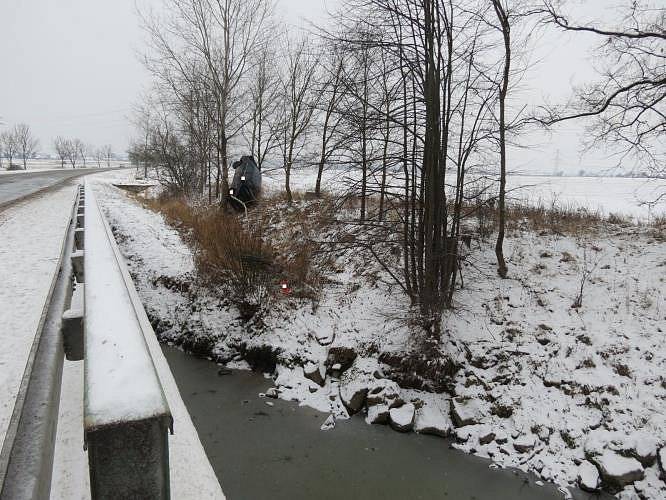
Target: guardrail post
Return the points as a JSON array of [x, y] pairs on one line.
[[78, 238], [129, 460], [72, 325]]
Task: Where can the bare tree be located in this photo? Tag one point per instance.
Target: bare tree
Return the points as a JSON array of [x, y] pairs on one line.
[[361, 108], [299, 102], [627, 105], [332, 93], [107, 154], [9, 145], [505, 27], [264, 95], [427, 116], [61, 149], [213, 42], [72, 151], [81, 150], [26, 142], [98, 154]]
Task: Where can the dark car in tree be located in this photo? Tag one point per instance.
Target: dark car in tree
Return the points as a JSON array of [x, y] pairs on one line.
[[246, 185]]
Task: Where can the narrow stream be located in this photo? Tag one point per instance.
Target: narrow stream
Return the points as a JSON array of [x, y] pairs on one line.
[[272, 449]]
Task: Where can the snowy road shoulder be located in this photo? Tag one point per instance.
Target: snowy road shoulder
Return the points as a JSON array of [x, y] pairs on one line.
[[31, 239]]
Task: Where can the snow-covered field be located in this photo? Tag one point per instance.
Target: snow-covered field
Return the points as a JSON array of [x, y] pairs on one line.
[[43, 165], [632, 197], [607, 195], [571, 394]]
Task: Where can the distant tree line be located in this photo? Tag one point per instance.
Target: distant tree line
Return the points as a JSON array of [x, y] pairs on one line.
[[19, 143], [75, 151]]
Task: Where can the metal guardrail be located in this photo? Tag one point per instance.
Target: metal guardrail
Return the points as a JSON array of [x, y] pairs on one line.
[[26, 459], [126, 415], [92, 313]]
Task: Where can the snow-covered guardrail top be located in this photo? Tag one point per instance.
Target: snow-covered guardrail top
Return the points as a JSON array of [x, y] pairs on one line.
[[121, 382]]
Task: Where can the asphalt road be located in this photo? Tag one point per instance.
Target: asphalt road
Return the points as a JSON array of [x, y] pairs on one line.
[[15, 187]]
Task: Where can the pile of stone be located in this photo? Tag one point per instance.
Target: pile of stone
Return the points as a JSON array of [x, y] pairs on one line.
[[364, 388]]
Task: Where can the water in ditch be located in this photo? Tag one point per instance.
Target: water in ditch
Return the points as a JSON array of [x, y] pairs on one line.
[[273, 449]]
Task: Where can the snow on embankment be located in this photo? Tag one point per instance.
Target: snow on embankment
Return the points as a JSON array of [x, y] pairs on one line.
[[576, 395]]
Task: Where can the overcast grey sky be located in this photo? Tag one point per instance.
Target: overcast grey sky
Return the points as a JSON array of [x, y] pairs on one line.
[[71, 68]]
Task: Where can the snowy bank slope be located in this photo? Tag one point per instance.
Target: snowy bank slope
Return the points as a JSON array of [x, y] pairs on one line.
[[576, 395]]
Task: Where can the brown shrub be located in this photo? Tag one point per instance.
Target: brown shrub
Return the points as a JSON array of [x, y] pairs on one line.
[[555, 219], [235, 257], [539, 217], [176, 210], [249, 258]]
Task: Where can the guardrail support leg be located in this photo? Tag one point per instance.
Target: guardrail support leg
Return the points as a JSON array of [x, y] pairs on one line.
[[78, 238], [77, 265], [130, 460]]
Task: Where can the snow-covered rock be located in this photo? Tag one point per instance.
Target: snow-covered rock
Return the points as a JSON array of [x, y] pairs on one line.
[[354, 383], [628, 494], [462, 434], [378, 414], [340, 355], [384, 392], [661, 458], [430, 420], [314, 372], [618, 470], [588, 477], [466, 412], [272, 392], [353, 395], [486, 437], [402, 418], [501, 437], [644, 448], [524, 443], [473, 434], [329, 423]]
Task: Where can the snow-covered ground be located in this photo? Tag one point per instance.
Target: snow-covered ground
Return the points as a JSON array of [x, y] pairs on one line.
[[569, 393], [31, 239]]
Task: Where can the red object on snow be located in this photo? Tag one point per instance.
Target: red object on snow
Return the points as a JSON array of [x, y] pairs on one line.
[[284, 287]]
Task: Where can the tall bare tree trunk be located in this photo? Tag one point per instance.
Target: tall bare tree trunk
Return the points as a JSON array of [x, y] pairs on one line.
[[431, 173], [506, 33]]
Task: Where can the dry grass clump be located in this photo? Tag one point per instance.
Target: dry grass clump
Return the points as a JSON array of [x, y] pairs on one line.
[[299, 233], [249, 259], [552, 218], [235, 258], [658, 228], [176, 210]]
